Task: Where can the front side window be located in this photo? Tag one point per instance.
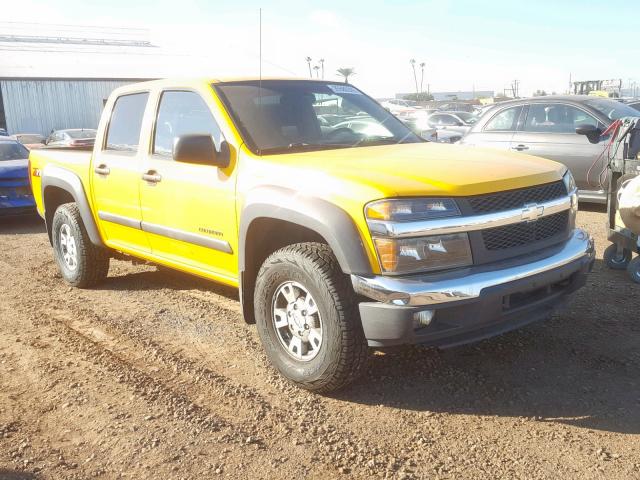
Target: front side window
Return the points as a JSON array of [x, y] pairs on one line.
[[288, 115], [504, 121], [556, 118], [182, 113], [126, 122]]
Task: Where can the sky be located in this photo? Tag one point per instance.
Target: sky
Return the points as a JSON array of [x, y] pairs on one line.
[[465, 44]]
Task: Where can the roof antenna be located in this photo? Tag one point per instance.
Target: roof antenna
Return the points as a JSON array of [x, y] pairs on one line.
[[260, 71]]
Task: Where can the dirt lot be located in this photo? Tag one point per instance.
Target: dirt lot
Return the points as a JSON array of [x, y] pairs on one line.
[[156, 375]]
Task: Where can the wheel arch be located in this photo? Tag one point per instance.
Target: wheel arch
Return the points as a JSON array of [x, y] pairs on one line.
[[275, 217], [61, 186]]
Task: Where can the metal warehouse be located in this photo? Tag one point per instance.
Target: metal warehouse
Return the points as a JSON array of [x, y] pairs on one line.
[[41, 105], [58, 76]]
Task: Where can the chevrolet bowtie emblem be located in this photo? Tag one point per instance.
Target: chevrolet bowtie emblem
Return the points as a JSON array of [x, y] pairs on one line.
[[531, 212]]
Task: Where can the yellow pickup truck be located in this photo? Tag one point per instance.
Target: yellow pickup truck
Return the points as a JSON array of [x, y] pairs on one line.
[[342, 229]]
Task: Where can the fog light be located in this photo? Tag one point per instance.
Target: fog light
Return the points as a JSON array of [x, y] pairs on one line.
[[423, 318]]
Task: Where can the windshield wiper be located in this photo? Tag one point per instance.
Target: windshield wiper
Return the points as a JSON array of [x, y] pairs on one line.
[[302, 147]]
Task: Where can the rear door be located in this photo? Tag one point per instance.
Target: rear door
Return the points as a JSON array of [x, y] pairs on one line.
[[188, 209], [498, 131], [549, 132], [116, 173]]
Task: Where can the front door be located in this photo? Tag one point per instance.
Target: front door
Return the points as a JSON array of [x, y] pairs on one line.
[[188, 210], [115, 175], [549, 132]]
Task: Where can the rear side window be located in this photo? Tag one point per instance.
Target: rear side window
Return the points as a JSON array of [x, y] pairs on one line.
[[126, 122], [504, 121], [182, 113]]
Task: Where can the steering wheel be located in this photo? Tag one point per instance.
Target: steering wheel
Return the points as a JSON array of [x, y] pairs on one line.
[[341, 132]]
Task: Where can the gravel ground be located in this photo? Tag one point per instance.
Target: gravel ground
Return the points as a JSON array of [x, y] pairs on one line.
[[155, 375]]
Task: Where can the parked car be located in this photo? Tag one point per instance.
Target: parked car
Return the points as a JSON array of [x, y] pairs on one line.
[[15, 192], [549, 127], [457, 107], [447, 136], [336, 241], [73, 137], [460, 122], [30, 140]]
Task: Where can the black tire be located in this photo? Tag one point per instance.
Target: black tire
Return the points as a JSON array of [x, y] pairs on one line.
[[616, 260], [343, 352], [91, 262], [633, 269]]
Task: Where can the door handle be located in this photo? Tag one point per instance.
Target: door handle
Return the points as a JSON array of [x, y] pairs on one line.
[[520, 148], [102, 169], [152, 177]]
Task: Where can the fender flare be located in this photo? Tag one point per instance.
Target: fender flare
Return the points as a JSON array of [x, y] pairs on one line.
[[326, 219], [53, 176]]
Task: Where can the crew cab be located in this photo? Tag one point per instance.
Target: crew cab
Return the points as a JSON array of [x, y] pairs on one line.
[[338, 241]]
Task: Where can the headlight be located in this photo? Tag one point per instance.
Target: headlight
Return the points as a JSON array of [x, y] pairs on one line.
[[411, 209], [421, 254], [569, 182]]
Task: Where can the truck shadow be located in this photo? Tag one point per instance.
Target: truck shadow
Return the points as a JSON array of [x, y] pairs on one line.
[[28, 224], [165, 278], [15, 475], [579, 368]]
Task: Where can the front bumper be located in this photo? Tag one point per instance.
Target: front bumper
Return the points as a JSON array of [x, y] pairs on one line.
[[476, 302]]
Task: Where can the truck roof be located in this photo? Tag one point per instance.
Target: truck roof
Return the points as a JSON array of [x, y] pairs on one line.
[[200, 81]]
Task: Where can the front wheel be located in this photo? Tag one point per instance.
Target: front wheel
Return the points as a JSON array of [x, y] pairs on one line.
[[617, 259], [633, 269], [81, 263], [307, 319]]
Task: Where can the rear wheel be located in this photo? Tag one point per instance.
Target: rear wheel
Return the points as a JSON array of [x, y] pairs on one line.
[[81, 263], [617, 259], [307, 319]]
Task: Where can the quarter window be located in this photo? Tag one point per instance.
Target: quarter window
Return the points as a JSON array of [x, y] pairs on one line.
[[126, 122], [504, 121], [556, 118], [182, 113]]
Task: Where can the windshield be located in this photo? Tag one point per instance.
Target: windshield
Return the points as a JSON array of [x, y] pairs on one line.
[[611, 108], [12, 151], [79, 134], [290, 115]]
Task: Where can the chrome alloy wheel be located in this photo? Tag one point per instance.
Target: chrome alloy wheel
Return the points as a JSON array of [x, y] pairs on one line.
[[297, 321], [68, 247]]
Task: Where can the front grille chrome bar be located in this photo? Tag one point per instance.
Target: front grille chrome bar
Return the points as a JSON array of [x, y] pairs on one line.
[[444, 226]]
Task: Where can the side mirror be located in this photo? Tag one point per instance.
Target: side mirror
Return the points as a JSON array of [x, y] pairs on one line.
[[459, 124], [200, 149], [592, 132]]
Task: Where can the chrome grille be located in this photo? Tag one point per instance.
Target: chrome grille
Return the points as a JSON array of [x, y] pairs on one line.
[[520, 234], [497, 202]]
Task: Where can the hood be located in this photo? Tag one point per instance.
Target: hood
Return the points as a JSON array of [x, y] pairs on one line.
[[14, 169], [420, 169]]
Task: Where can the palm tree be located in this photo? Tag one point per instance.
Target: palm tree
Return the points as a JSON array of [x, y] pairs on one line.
[[317, 69], [308, 60], [422, 65], [322, 66], [413, 66], [346, 72]]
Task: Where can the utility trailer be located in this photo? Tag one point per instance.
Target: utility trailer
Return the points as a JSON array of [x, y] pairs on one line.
[[624, 163]]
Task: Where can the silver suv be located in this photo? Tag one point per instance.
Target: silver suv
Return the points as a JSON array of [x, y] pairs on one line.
[[563, 128]]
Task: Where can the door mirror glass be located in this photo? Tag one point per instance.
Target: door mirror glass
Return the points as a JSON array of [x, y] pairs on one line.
[[592, 132], [200, 149]]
